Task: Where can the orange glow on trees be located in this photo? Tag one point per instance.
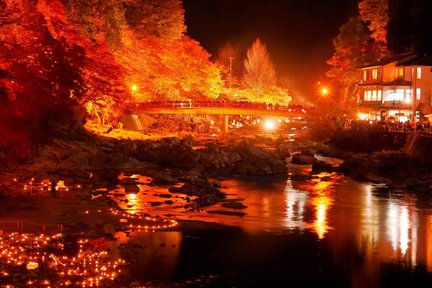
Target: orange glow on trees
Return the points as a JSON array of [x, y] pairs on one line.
[[170, 70], [162, 19], [229, 59], [353, 49], [259, 77], [259, 70], [60, 55], [376, 14]]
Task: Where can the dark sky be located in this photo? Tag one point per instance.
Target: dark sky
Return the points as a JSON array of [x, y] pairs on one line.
[[298, 33]]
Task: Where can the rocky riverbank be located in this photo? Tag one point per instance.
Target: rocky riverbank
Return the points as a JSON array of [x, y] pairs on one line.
[[386, 158], [94, 163]]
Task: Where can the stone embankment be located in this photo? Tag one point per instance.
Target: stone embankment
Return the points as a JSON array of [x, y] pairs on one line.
[[95, 162], [401, 160]]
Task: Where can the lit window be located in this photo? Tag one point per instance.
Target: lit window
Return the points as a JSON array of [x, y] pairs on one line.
[[399, 95], [365, 75], [407, 96], [375, 74], [418, 93], [419, 72], [369, 95], [374, 95], [400, 72], [379, 95]]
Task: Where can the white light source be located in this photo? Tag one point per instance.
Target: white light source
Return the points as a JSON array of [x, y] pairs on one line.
[[269, 125]]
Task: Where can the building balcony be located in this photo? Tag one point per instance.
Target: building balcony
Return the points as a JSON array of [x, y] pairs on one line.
[[394, 83], [396, 105], [385, 105]]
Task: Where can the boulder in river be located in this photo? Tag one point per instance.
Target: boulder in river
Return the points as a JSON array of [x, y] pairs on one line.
[[321, 166], [303, 159]]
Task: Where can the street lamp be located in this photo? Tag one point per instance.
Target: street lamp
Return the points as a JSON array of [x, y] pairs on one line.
[[324, 91], [269, 125], [134, 89]]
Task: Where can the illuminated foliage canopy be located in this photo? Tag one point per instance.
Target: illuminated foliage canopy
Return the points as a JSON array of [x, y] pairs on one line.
[[58, 55], [259, 70], [376, 14], [259, 77], [163, 19]]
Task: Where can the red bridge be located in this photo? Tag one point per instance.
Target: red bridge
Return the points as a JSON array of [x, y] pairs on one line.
[[224, 109], [220, 108]]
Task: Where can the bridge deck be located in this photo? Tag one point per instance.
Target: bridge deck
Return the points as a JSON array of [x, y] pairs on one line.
[[225, 109]]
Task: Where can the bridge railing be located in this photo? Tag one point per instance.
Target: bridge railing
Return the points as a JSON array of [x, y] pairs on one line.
[[219, 104]]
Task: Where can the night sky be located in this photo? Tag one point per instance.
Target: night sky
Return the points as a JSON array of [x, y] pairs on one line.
[[298, 33]]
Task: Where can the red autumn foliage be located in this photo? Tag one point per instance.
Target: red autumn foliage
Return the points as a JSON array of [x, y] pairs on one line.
[[58, 55]]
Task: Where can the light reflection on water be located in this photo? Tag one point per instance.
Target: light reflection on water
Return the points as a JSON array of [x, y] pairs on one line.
[[386, 227]]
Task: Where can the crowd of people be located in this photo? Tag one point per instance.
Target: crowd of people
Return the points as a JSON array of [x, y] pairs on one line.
[[423, 126], [222, 104]]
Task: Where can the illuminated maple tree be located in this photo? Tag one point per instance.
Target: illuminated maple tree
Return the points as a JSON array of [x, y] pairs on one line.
[[163, 19], [259, 70], [42, 73], [353, 48], [375, 13], [229, 59], [259, 77], [168, 70], [59, 55]]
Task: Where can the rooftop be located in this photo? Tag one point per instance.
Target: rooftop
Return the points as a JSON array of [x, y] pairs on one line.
[[405, 59]]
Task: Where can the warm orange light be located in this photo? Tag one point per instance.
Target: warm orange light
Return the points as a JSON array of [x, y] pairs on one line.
[[134, 87], [362, 116], [131, 197], [321, 204], [324, 91]]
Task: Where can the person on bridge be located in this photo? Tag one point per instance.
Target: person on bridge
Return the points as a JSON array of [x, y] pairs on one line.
[[53, 188]]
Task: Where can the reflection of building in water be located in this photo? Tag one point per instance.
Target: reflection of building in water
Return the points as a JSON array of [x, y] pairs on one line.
[[295, 206], [398, 239], [401, 229], [371, 223]]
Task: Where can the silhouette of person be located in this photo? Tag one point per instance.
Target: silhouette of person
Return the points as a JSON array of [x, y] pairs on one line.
[[53, 189]]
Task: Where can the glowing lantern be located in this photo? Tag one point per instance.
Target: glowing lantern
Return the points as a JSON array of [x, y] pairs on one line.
[[32, 265]]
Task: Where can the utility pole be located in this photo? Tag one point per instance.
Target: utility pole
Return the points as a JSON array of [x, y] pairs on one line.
[[230, 71], [414, 94]]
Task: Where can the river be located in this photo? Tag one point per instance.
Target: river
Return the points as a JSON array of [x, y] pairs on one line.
[[338, 233]]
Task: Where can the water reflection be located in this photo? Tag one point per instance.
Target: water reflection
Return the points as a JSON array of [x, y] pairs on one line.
[[296, 201], [322, 200], [321, 226], [151, 256], [402, 225], [380, 226], [391, 224]]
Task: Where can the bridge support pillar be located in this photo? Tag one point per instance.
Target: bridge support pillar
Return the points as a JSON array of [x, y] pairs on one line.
[[224, 120]]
